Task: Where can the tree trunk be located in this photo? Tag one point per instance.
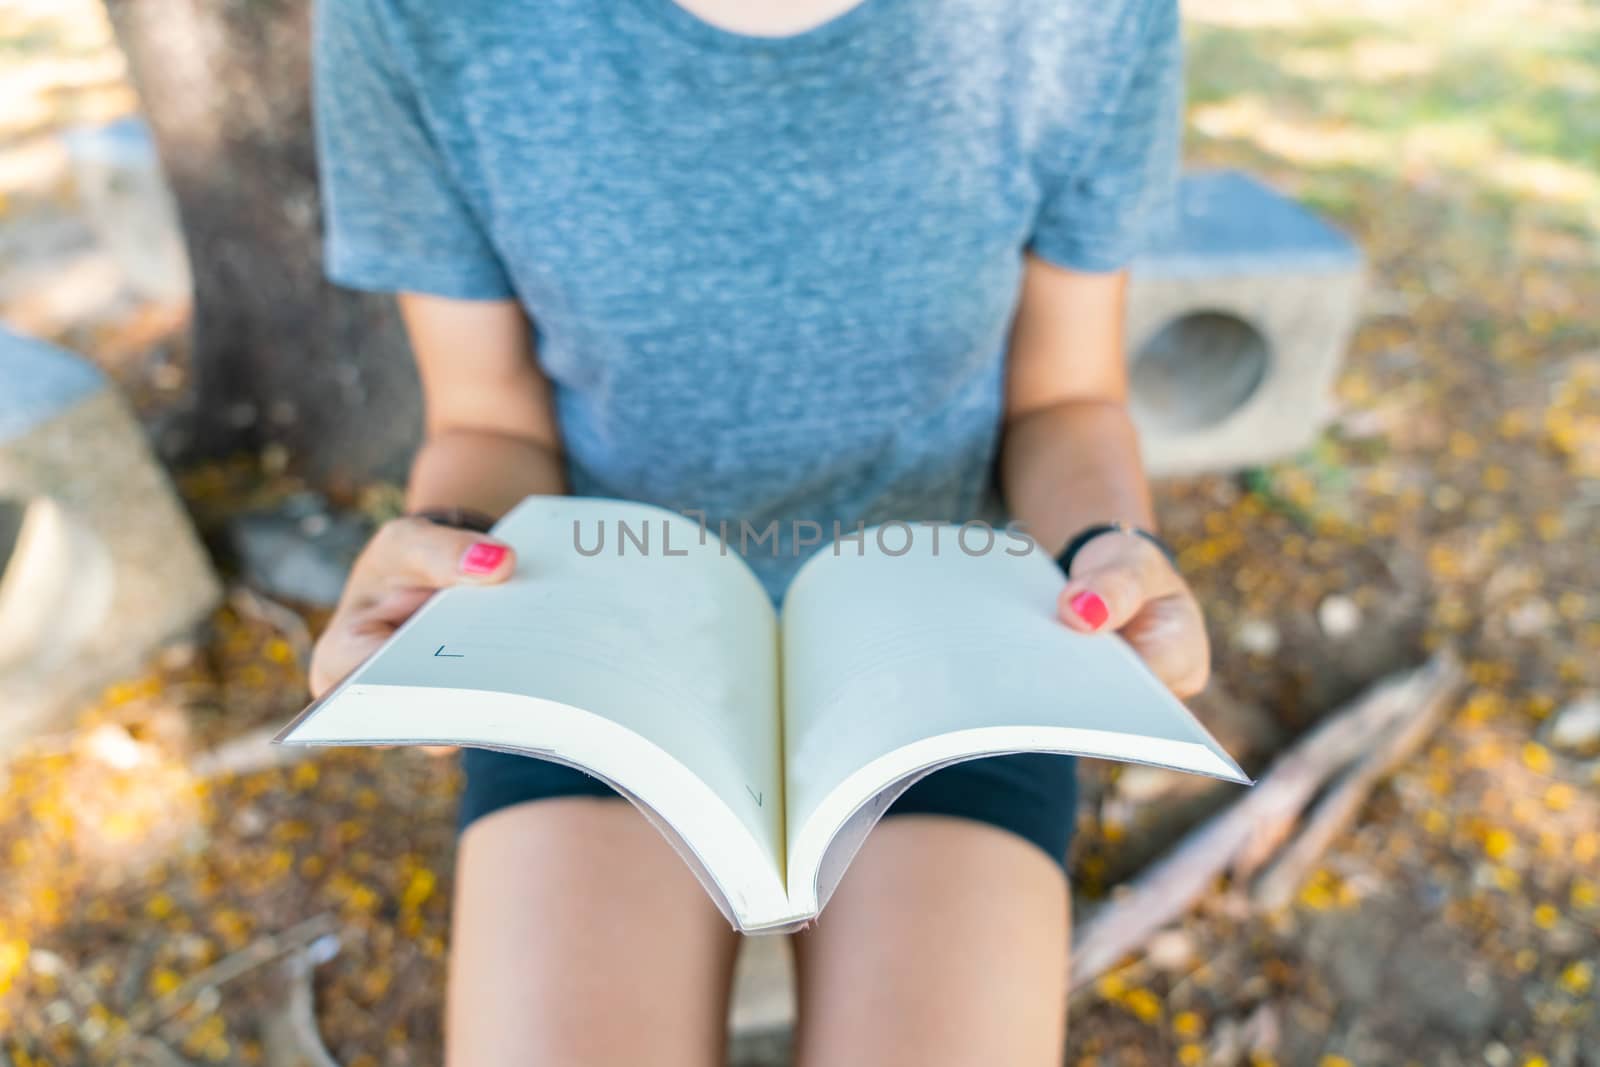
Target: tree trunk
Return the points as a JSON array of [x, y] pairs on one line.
[[278, 354]]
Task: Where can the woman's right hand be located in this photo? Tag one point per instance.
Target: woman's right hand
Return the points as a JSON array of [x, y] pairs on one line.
[[407, 561]]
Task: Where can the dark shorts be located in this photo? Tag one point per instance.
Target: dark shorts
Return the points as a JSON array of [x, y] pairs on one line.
[[1032, 795]]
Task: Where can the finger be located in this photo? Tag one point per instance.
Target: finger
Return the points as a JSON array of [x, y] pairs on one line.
[[330, 662], [1170, 636], [388, 609], [1102, 598], [418, 552], [354, 633], [339, 651]]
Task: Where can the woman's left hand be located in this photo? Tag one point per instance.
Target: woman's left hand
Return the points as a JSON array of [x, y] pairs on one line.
[[1122, 582]]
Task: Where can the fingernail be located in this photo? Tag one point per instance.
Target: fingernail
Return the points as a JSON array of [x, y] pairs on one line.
[[1090, 608], [482, 558]]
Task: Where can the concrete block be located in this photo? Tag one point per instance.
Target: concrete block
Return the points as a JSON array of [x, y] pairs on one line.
[[1237, 323], [99, 564], [763, 997], [299, 549]]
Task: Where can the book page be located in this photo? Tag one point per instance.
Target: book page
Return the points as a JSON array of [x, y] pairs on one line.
[[625, 613], [915, 647]]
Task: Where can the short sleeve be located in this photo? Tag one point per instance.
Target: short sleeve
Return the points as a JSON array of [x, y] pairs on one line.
[[1123, 193], [394, 216]]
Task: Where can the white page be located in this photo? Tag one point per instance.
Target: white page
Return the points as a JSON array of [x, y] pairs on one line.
[[896, 662], [676, 644]]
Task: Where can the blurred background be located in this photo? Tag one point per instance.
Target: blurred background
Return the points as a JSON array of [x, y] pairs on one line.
[[178, 502]]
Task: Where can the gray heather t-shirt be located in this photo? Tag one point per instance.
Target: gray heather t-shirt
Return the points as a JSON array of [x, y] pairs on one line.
[[770, 278]]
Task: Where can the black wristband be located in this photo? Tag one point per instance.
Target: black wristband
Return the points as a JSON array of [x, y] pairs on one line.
[[459, 518], [1089, 533]]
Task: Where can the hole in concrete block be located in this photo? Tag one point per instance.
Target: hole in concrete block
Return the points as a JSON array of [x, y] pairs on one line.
[[55, 584], [1197, 370], [11, 512]]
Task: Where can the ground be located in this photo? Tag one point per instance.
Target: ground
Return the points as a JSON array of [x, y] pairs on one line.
[[1455, 500]]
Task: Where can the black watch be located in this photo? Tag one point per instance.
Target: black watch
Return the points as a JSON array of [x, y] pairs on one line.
[[1089, 533], [460, 518]]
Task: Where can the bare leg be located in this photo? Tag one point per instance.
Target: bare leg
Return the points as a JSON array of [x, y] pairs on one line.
[[580, 938], [946, 943]]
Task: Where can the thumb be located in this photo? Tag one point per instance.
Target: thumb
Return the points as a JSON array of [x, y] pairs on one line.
[[433, 556], [1102, 598]]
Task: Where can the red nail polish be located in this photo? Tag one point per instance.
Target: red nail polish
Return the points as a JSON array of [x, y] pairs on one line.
[[482, 558], [1091, 609]]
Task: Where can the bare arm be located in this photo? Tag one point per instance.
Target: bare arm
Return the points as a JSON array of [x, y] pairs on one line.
[[1070, 459], [490, 439], [490, 435], [1070, 455]]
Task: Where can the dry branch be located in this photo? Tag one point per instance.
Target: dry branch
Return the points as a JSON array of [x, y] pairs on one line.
[[253, 955], [1390, 719], [1337, 810], [249, 752], [157, 1053], [289, 1032], [253, 604]]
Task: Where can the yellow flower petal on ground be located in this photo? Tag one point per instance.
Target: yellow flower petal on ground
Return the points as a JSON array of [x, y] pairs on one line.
[[1144, 1004], [1559, 797], [1586, 849], [13, 954], [418, 889], [1577, 978], [1110, 986], [1316, 896], [1551, 526], [1483, 704]]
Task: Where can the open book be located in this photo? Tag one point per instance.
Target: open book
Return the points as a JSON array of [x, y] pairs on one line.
[[764, 752]]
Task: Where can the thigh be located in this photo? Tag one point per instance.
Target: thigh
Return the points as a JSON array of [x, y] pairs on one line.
[[946, 941], [581, 938]]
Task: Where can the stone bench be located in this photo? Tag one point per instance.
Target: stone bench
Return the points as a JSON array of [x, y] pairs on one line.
[[98, 562], [1237, 322]]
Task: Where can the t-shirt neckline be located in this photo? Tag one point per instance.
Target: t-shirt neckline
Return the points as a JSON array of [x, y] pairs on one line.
[[826, 34]]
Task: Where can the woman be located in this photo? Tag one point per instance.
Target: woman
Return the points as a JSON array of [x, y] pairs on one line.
[[825, 260]]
